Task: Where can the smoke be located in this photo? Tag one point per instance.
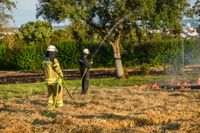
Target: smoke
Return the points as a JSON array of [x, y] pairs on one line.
[[187, 61]]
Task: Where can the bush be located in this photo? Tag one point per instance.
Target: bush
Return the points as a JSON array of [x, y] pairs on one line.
[[8, 58], [2, 56], [30, 58], [69, 52], [104, 55], [145, 68], [153, 53], [162, 52], [38, 32]]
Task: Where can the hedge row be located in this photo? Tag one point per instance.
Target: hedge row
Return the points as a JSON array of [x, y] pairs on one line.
[[154, 53], [164, 52], [27, 58]]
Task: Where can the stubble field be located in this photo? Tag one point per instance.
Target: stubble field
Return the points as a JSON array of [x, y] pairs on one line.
[[118, 109]]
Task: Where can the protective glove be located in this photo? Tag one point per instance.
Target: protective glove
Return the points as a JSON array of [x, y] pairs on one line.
[[91, 62]]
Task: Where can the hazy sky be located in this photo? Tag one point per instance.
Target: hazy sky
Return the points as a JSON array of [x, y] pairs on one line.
[[26, 11]]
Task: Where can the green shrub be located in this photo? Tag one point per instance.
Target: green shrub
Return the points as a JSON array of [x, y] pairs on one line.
[[145, 68], [2, 56], [38, 32], [103, 57], [30, 58], [69, 52], [162, 52], [153, 53], [8, 58]]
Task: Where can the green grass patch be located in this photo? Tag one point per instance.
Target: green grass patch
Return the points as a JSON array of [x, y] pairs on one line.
[[21, 90], [27, 90]]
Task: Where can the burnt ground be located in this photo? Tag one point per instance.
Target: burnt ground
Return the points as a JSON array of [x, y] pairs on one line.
[[13, 77], [119, 109]]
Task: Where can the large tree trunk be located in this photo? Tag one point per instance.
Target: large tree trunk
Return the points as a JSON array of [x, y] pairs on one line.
[[117, 56]]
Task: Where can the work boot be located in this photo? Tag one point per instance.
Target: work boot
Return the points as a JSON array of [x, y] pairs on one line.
[[50, 104], [59, 104], [50, 101]]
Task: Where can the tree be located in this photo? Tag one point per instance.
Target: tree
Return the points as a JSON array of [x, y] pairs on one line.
[[6, 7], [79, 32], [168, 13], [104, 15], [38, 32], [60, 35], [196, 8]]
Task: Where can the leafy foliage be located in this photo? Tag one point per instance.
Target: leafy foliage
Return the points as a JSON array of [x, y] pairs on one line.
[[162, 52], [196, 7], [111, 17], [145, 68], [154, 53], [69, 52], [100, 15], [6, 7], [168, 13], [2, 58], [30, 58], [38, 32], [60, 35]]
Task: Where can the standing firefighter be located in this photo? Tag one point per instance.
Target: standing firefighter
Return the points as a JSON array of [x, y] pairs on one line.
[[53, 77], [84, 69]]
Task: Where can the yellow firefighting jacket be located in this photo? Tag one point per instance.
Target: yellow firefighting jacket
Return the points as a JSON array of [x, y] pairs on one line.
[[52, 71]]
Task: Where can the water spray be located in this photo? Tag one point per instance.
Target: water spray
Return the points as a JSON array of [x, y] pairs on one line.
[[100, 45], [97, 50], [183, 55]]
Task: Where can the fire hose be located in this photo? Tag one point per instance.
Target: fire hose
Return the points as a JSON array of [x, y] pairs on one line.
[[80, 80], [98, 48], [64, 84], [69, 94]]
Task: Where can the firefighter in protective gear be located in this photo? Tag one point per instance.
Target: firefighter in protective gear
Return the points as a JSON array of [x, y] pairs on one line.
[[53, 77], [85, 65]]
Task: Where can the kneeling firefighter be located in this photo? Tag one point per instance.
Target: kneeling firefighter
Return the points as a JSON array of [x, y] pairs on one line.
[[85, 65], [53, 77]]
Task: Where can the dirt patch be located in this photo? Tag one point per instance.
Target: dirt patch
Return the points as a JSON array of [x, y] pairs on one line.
[[123, 109]]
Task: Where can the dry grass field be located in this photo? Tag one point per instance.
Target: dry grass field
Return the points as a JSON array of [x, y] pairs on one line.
[[131, 109]]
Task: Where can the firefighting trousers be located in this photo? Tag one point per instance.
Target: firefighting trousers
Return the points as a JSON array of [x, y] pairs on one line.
[[85, 85], [55, 93], [85, 81]]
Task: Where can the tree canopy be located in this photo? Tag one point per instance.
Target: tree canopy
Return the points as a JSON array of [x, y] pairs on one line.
[[38, 32], [6, 7], [196, 7], [102, 15]]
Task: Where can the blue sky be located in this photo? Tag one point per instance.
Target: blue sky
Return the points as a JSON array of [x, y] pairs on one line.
[[26, 11]]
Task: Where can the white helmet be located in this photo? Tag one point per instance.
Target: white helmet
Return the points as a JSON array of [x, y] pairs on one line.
[[86, 51], [52, 48]]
